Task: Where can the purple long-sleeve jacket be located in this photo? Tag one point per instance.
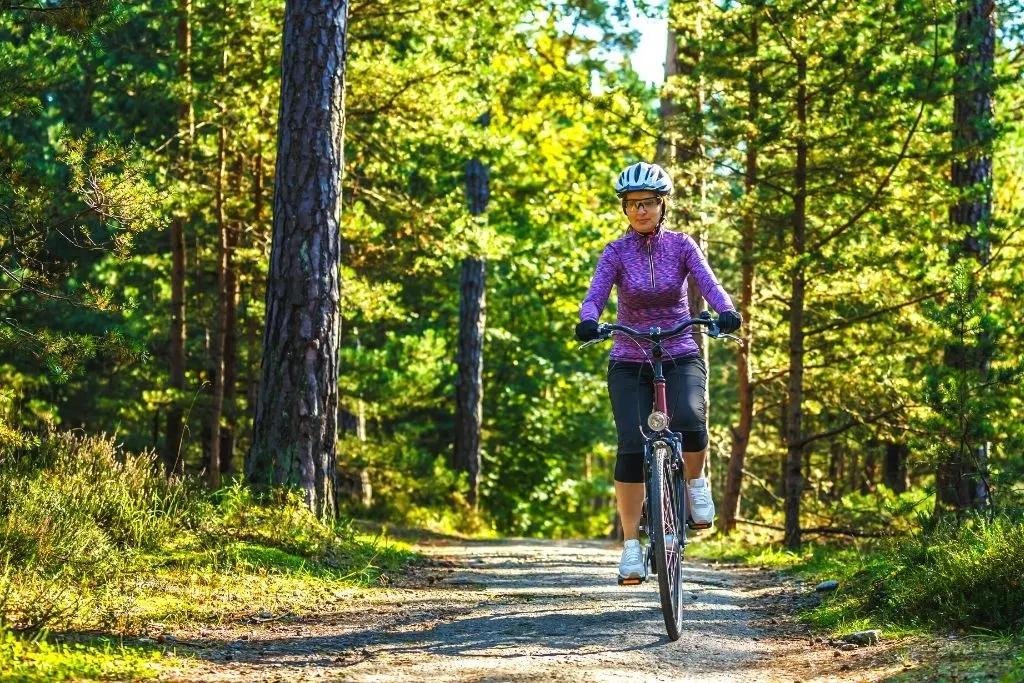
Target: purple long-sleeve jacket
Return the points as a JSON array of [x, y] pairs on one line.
[[650, 272]]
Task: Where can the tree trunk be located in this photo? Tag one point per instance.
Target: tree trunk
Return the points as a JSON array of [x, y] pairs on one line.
[[251, 382], [469, 381], [794, 421], [959, 480], [229, 428], [741, 433], [175, 414], [217, 402], [894, 467], [295, 429], [469, 358], [836, 456], [173, 463]]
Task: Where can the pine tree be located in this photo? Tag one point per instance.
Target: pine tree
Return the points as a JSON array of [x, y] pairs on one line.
[[295, 428]]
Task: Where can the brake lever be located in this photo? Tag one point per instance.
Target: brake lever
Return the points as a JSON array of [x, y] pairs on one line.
[[596, 340], [717, 334]]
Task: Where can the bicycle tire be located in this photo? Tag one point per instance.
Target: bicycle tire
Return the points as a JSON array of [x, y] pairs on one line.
[[664, 525]]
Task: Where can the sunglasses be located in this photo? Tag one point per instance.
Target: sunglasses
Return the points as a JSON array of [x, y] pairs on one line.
[[634, 205]]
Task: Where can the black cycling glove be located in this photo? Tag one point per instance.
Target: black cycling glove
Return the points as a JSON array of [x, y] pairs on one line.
[[729, 321], [586, 330]]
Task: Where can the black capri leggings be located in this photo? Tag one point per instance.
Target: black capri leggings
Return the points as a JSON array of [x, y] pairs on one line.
[[631, 388]]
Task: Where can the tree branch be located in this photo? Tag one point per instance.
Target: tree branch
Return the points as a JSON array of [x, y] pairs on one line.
[[826, 530], [849, 425]]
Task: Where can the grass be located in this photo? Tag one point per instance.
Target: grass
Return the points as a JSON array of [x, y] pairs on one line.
[[954, 593], [93, 540], [959, 661], [963, 577], [27, 660]]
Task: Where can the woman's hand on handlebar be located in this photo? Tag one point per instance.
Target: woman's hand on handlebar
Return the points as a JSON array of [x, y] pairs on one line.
[[729, 321], [586, 330]]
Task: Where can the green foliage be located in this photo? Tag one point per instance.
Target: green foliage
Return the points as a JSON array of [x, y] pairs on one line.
[[409, 486], [77, 500], [64, 198], [966, 575], [30, 660], [971, 394], [84, 332], [85, 528], [954, 576]]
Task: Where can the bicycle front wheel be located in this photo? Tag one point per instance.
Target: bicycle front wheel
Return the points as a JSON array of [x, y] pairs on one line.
[[665, 537]]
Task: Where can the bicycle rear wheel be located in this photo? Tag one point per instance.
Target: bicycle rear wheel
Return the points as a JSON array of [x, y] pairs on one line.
[[665, 537]]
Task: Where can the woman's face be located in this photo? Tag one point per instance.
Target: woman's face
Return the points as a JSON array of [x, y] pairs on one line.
[[643, 209]]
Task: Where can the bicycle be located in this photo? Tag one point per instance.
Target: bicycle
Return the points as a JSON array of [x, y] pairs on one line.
[[664, 477]]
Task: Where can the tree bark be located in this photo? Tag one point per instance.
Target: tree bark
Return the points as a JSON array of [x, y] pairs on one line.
[[251, 369], [741, 432], [959, 480], [217, 402], [295, 429], [229, 427], [175, 414], [794, 420], [173, 463], [894, 467], [469, 358], [836, 460], [469, 381]]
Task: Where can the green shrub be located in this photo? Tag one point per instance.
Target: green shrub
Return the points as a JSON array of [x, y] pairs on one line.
[[75, 513], [79, 501], [410, 486], [967, 575], [86, 529]]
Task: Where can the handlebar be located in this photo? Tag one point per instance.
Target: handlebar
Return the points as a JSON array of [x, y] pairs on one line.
[[656, 334]]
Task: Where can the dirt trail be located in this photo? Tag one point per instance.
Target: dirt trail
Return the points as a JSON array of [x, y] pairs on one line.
[[536, 611]]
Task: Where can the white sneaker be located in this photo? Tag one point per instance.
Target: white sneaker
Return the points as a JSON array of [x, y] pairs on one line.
[[631, 566], [702, 508]]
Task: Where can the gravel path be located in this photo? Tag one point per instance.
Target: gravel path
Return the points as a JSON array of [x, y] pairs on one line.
[[531, 610]]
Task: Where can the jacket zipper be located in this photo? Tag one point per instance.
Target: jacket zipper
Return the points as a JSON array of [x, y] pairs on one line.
[[650, 259]]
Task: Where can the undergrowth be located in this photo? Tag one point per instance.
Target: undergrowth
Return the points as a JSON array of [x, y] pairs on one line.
[[26, 660], [965, 576], [96, 539]]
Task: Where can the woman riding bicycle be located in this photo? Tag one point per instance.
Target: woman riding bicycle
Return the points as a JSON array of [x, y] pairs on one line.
[[649, 266]]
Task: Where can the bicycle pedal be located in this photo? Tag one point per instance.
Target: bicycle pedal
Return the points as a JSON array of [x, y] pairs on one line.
[[631, 581], [690, 524]]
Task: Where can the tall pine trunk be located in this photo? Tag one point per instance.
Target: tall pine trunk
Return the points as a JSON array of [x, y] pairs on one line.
[[741, 432], [470, 355], [229, 426], [795, 394], [959, 480], [217, 407], [254, 239], [295, 429], [186, 131]]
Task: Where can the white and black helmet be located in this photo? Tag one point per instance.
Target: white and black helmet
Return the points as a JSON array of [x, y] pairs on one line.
[[643, 176]]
